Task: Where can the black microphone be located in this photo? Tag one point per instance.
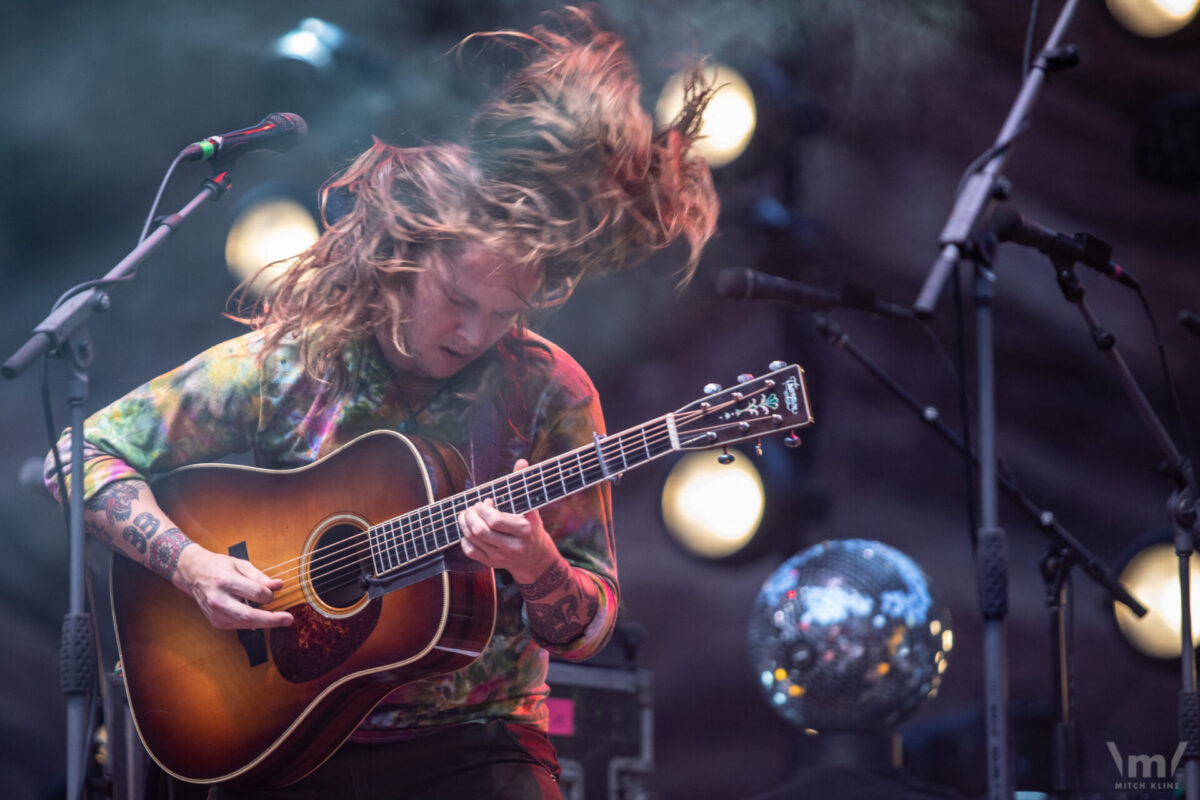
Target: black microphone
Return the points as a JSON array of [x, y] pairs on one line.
[[1083, 248], [743, 283], [278, 133]]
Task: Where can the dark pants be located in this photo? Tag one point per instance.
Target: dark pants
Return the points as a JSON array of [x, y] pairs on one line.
[[494, 760]]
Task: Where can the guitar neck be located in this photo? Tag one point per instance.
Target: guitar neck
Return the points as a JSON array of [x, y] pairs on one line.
[[771, 403], [412, 536]]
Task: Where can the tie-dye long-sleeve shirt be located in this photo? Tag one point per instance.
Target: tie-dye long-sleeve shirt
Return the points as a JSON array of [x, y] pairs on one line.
[[227, 400]]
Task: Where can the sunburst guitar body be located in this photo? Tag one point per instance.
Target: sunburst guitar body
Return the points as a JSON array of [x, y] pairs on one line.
[[366, 542]]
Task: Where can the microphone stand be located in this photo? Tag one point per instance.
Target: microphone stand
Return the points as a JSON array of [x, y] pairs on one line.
[[65, 333], [1065, 551], [1183, 506], [979, 189], [982, 185]]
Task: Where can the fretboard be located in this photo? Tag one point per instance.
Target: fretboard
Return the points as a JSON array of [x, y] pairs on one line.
[[402, 540]]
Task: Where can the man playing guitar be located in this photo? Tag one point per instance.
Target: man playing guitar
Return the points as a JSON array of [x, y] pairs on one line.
[[408, 315]]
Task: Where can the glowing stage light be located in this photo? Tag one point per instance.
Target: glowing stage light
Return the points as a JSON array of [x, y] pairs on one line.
[[1152, 576], [1154, 18], [269, 229], [314, 41], [729, 120], [712, 510]]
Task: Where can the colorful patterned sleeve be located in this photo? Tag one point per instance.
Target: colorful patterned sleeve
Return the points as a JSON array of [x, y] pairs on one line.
[[200, 411], [581, 524]]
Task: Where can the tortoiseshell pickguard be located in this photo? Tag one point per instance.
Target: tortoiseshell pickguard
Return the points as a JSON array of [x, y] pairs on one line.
[[315, 644]]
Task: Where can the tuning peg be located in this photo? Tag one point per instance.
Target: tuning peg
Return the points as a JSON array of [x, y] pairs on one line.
[[758, 447], [792, 440], [726, 457], [744, 377], [712, 388], [774, 365]]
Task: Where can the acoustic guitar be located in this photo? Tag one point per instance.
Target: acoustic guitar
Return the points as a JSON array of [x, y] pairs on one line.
[[365, 540]]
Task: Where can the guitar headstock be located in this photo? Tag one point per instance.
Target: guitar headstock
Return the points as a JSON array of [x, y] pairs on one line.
[[757, 406]]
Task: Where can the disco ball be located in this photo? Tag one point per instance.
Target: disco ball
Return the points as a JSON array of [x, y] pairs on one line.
[[846, 635]]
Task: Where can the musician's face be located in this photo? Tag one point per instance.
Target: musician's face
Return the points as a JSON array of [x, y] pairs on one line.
[[461, 306]]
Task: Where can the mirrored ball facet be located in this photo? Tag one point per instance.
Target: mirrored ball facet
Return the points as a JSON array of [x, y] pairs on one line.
[[847, 635]]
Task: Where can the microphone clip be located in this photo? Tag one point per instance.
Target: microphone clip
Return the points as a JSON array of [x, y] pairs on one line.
[[220, 182], [1066, 251]]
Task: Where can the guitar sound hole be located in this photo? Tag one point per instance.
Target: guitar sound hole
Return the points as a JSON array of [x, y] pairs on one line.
[[339, 563]]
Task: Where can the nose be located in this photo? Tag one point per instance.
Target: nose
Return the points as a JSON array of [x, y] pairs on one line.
[[472, 329]]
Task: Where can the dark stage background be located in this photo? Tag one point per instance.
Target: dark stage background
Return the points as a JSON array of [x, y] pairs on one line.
[[869, 112]]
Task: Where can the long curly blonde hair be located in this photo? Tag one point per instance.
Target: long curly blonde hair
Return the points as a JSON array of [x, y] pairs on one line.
[[561, 169]]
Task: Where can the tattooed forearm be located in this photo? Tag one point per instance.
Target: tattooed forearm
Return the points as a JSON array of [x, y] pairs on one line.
[[561, 622], [124, 516], [165, 549], [136, 539], [114, 500], [553, 578], [144, 526], [147, 523], [569, 606]]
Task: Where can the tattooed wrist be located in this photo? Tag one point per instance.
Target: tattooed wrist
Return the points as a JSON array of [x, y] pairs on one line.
[[553, 578], [164, 550]]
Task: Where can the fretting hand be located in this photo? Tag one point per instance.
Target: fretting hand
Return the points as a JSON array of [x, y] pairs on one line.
[[518, 543]]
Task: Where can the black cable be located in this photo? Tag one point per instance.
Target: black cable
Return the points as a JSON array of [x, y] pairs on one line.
[[1000, 147], [99, 282], [83, 287], [158, 197], [1172, 387], [52, 433]]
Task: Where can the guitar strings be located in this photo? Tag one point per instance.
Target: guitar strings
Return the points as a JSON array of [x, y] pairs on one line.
[[345, 554], [351, 551], [329, 560], [440, 516], [446, 510]]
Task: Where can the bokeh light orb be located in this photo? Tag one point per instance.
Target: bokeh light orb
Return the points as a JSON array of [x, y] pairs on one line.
[[1152, 576], [729, 120], [270, 231], [847, 635], [713, 510], [1154, 18]]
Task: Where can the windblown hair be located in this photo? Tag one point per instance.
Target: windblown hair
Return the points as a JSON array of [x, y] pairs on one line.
[[561, 170]]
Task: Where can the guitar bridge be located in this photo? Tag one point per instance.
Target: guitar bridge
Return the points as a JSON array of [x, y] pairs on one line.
[[253, 640]]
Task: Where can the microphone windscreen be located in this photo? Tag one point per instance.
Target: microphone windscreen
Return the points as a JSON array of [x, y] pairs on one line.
[[290, 122]]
